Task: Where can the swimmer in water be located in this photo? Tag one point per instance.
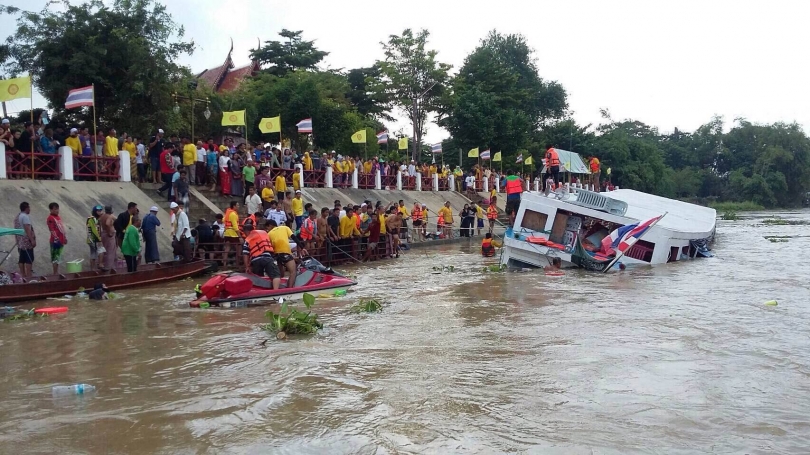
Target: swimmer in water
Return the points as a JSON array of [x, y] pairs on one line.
[[556, 263]]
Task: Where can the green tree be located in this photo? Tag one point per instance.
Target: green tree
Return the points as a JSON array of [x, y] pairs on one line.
[[498, 99], [360, 94], [126, 49], [412, 79], [294, 54]]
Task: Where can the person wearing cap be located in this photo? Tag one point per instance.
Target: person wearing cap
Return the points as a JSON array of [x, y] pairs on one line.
[[72, 141], [182, 235], [94, 235], [155, 149], [149, 227]]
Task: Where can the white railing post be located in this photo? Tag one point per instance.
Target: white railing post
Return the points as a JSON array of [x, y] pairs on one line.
[[399, 180], [451, 182], [300, 168], [537, 186], [486, 185], [3, 172], [328, 177], [124, 171], [378, 180], [65, 163], [435, 182], [355, 179], [418, 181], [498, 184]]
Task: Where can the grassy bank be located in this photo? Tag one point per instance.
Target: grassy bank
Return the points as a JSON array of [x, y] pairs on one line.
[[746, 206]]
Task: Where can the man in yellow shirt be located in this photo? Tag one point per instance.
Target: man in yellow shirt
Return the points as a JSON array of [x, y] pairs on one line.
[[129, 146], [447, 216], [298, 209], [281, 186], [337, 172], [73, 142], [367, 167], [231, 234], [280, 236], [267, 197], [348, 225], [189, 158], [404, 215], [296, 179], [111, 144]]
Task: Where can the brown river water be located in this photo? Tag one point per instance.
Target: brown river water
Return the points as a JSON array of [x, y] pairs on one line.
[[684, 358]]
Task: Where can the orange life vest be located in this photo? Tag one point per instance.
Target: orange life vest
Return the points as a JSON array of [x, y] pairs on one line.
[[416, 214], [258, 243], [486, 248], [440, 222], [513, 186], [252, 218], [308, 229], [552, 159], [492, 212]]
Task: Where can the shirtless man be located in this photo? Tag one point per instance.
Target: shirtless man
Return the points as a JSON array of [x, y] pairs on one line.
[[322, 228], [287, 206], [392, 225]]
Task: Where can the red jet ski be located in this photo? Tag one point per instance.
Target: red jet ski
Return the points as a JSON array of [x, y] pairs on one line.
[[239, 290]]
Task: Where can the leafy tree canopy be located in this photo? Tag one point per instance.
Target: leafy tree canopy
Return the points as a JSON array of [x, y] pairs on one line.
[[294, 54]]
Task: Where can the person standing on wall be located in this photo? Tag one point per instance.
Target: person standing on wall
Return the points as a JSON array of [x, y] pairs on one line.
[[26, 242], [155, 149], [514, 188], [596, 172]]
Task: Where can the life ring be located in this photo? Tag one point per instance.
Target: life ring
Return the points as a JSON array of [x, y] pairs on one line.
[[555, 273]]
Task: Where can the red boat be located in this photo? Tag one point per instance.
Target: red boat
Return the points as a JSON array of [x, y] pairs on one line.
[[239, 290]]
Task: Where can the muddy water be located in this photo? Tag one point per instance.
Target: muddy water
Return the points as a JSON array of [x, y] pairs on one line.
[[677, 359]]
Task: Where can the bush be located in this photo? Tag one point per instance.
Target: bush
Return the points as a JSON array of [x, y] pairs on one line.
[[745, 206]]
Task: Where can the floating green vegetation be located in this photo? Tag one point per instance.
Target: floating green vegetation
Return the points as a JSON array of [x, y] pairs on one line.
[[776, 221], [746, 206], [368, 306], [730, 215], [24, 315], [292, 321], [495, 268]]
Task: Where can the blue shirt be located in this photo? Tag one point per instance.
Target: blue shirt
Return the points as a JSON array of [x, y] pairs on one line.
[[150, 223], [258, 154], [46, 145], [211, 160]]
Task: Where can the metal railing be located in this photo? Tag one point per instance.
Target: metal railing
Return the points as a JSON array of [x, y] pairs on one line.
[[28, 165]]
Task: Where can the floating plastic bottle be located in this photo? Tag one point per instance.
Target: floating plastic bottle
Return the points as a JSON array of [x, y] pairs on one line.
[[771, 303], [340, 293], [75, 389]]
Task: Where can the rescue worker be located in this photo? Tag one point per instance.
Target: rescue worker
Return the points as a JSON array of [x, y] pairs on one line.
[[309, 229], [596, 172], [418, 224], [492, 213], [231, 234], [553, 165], [487, 250], [514, 188], [280, 236], [258, 254]]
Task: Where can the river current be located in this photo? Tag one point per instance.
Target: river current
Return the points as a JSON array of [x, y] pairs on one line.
[[683, 358]]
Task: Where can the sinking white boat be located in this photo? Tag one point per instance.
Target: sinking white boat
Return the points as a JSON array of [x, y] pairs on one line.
[[572, 227]]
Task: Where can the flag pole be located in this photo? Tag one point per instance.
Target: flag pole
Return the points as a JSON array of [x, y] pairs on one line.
[[33, 137], [95, 134]]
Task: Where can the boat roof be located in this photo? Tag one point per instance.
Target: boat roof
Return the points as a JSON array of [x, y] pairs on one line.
[[10, 231], [681, 216]]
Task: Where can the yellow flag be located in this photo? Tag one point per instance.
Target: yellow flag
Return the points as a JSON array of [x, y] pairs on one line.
[[270, 125], [473, 153], [497, 157], [528, 161], [19, 87], [359, 137], [403, 143], [235, 118]]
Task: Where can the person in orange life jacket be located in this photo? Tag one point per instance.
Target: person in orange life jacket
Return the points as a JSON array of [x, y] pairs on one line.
[[487, 250], [309, 229], [492, 213], [257, 253], [418, 222], [596, 172], [514, 188], [552, 165]]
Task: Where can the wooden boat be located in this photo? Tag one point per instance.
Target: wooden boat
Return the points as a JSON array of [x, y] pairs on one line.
[[71, 283]]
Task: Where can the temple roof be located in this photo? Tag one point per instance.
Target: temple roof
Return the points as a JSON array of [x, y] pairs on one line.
[[225, 77]]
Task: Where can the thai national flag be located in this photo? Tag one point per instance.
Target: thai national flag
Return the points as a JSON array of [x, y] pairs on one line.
[[436, 148], [79, 97], [625, 237], [305, 126], [519, 158], [484, 155], [382, 137]]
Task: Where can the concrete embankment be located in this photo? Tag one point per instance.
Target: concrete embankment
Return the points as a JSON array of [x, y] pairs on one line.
[[75, 201], [326, 197]]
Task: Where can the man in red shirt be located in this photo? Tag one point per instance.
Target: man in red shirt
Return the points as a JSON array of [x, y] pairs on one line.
[[58, 238], [373, 238], [166, 171]]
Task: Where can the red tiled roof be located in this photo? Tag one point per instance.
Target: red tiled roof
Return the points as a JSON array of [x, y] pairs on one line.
[[212, 77], [234, 77]]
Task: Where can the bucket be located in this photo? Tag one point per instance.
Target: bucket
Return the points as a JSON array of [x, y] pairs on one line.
[[74, 266]]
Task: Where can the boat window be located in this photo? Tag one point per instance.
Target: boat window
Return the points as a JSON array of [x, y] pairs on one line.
[[535, 221], [642, 251], [674, 254]]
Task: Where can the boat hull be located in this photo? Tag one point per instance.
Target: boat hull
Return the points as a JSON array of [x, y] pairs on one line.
[[71, 283]]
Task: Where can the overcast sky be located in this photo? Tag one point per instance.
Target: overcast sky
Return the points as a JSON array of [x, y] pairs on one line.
[[668, 64]]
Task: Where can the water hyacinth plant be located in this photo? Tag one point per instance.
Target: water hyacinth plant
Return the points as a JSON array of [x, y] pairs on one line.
[[292, 321], [367, 306]]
